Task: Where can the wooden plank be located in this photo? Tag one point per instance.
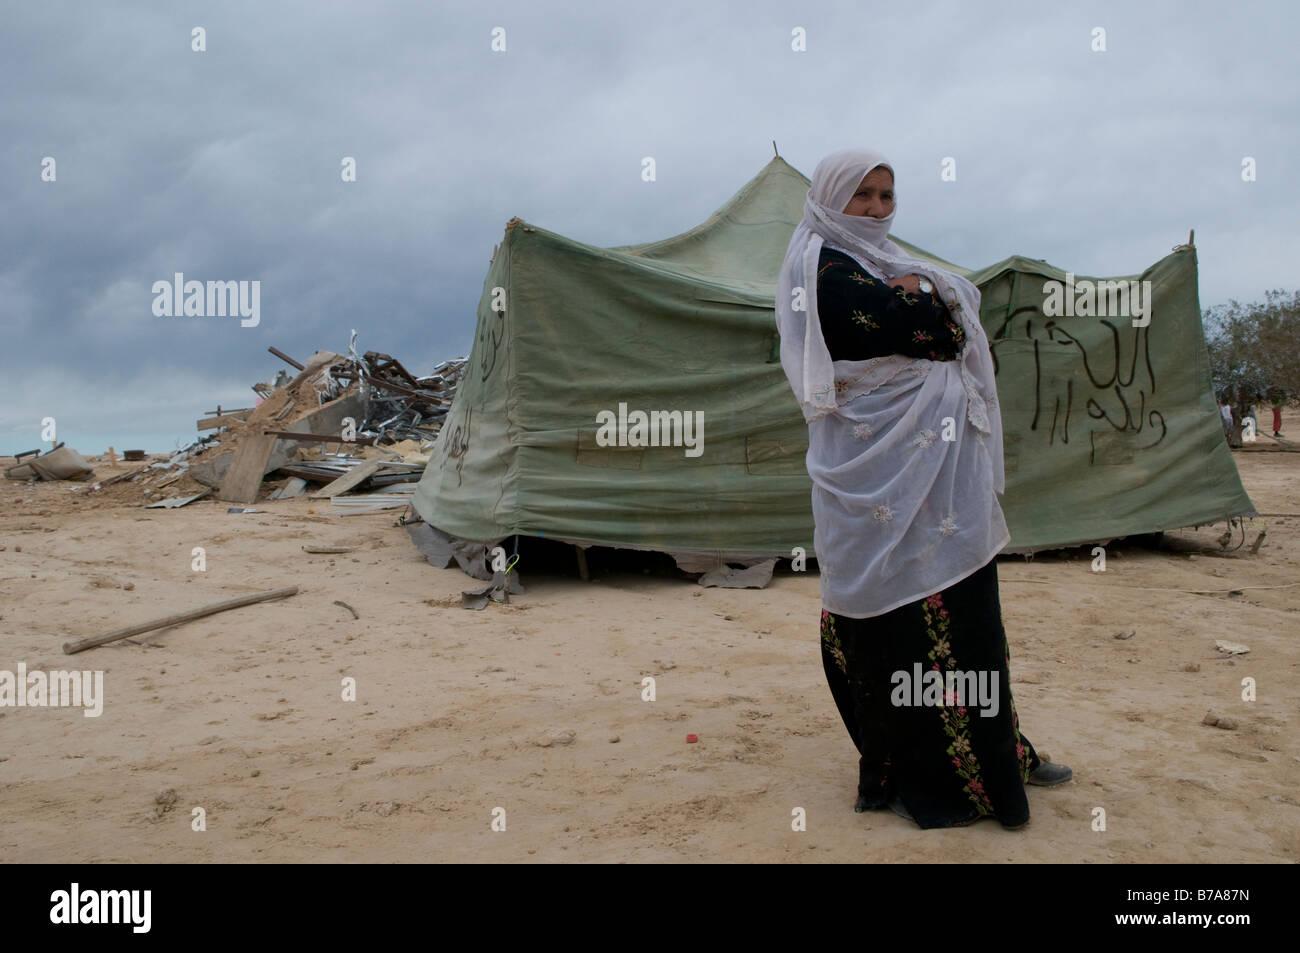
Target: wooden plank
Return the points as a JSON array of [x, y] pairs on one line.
[[177, 501], [244, 478], [169, 480], [71, 648], [353, 477], [225, 420], [121, 476], [320, 438], [286, 358], [326, 419]]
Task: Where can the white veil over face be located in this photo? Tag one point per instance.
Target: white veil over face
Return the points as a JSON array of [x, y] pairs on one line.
[[905, 453]]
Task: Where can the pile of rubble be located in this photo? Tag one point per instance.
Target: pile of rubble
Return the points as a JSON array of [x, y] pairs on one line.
[[345, 423], [398, 405]]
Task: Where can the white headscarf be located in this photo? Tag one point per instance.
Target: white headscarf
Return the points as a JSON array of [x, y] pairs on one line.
[[900, 511]]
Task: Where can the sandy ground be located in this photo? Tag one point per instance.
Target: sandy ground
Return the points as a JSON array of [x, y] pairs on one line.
[[536, 707]]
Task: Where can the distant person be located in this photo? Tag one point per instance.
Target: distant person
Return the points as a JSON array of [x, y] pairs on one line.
[[1245, 410], [893, 372], [1276, 401]]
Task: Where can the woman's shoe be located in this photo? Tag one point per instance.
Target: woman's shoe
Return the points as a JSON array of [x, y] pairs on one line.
[[864, 804], [1048, 774]]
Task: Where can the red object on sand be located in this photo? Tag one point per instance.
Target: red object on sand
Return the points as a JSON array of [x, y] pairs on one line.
[[691, 739]]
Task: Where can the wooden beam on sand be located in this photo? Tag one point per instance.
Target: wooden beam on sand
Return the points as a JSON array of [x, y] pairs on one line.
[[71, 648], [244, 478]]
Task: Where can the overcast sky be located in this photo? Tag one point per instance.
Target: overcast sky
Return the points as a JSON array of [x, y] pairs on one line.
[[225, 164]]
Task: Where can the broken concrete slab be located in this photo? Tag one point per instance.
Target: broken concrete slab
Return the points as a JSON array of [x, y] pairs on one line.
[[295, 487]]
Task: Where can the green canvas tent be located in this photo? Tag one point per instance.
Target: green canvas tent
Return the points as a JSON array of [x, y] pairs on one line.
[[1110, 430]]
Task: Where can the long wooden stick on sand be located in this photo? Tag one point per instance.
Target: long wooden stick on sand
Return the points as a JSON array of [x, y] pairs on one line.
[[70, 648]]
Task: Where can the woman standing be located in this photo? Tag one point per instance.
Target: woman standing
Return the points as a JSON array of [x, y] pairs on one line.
[[887, 358]]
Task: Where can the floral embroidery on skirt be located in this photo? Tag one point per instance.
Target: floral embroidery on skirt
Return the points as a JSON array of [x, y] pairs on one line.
[[830, 643], [949, 763]]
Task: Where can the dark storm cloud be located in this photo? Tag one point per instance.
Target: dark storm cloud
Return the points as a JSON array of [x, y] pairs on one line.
[[224, 165]]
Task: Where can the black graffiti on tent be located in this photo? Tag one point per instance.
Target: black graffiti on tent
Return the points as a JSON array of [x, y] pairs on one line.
[[488, 361], [457, 444], [1055, 334]]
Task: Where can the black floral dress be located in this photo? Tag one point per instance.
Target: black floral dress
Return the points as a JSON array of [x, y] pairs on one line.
[[863, 317], [950, 764]]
